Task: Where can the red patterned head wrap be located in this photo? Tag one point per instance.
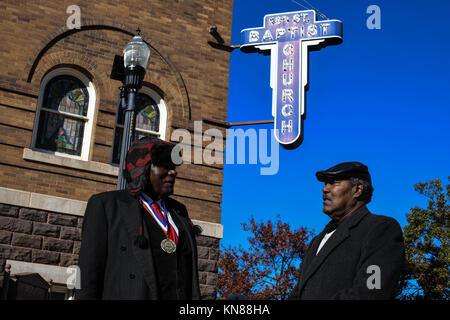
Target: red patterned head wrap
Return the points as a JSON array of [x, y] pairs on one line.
[[138, 156]]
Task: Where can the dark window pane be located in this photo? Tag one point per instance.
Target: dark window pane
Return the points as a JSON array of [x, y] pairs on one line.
[[147, 118], [59, 133], [66, 94], [147, 113]]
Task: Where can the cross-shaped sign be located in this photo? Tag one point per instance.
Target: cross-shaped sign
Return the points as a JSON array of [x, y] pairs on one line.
[[288, 37]]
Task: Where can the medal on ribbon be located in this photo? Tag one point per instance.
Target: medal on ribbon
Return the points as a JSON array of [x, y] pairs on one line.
[[165, 222]]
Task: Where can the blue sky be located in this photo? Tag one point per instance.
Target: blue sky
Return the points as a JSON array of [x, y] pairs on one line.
[[381, 98]]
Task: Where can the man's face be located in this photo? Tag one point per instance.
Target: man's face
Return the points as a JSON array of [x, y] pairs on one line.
[[339, 198], [162, 179]]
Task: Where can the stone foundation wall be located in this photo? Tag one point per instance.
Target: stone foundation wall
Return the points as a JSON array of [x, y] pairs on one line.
[[52, 238]]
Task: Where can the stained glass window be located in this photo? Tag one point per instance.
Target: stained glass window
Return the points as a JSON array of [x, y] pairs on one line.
[[147, 123], [63, 115]]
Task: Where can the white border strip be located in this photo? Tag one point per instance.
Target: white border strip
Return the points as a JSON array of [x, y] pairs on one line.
[[210, 229], [92, 166], [42, 201]]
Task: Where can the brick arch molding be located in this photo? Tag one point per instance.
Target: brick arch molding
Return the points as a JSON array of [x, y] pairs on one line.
[[62, 33]]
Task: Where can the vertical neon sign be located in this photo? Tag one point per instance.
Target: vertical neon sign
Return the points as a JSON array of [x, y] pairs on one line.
[[288, 37]]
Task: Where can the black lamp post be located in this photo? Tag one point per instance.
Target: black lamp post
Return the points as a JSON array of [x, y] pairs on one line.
[[136, 54]]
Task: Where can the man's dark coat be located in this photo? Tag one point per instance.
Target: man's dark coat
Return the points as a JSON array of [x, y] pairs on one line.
[[111, 266], [347, 265]]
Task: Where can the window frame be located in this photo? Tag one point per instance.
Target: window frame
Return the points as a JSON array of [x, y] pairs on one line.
[[161, 105], [88, 119]]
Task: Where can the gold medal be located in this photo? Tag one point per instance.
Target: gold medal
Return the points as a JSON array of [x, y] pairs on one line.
[[168, 246]]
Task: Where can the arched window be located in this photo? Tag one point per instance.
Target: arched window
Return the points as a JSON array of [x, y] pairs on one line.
[[64, 114], [151, 117]]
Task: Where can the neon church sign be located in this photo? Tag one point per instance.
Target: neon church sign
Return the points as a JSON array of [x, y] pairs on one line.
[[288, 37]]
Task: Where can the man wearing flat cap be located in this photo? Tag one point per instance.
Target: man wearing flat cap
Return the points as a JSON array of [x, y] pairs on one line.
[[139, 243], [359, 255]]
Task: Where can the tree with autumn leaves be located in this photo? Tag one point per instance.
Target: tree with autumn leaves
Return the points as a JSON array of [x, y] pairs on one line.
[[268, 269]]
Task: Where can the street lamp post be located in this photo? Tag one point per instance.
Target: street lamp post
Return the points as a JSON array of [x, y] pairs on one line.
[[136, 54]]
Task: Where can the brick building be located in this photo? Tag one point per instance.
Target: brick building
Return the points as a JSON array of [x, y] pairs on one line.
[[58, 125]]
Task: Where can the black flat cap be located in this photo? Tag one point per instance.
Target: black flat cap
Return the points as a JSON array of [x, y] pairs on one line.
[[345, 170]]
